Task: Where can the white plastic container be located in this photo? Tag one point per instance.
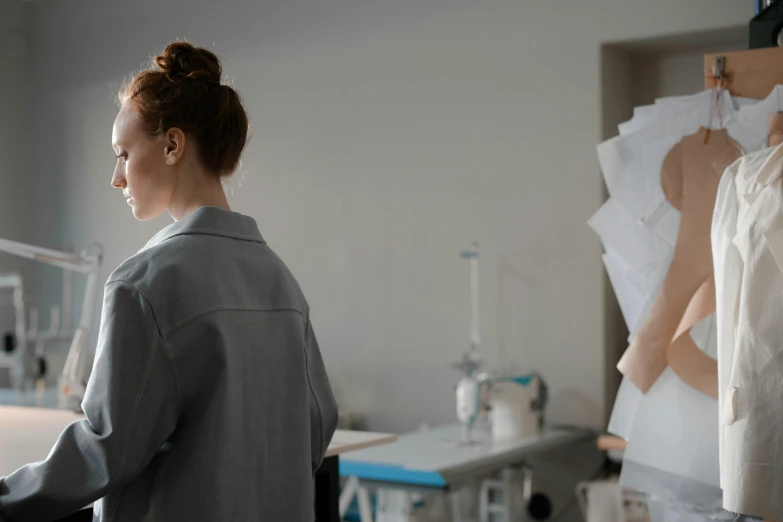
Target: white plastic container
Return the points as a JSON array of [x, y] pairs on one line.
[[514, 410]]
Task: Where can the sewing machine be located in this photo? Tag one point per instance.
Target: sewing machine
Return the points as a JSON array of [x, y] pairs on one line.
[[513, 405]]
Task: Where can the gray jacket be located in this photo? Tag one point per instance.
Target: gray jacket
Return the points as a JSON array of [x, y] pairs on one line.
[[208, 400]]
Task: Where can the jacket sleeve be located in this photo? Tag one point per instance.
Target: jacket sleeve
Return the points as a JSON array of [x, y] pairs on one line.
[[131, 408], [323, 407]]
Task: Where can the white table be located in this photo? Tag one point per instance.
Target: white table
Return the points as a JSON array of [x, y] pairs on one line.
[[28, 434], [437, 459]]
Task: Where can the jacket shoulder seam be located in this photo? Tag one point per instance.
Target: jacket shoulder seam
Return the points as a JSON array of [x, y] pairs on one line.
[[164, 348], [240, 308]]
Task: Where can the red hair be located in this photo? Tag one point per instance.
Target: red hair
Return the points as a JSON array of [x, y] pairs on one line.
[[183, 90]]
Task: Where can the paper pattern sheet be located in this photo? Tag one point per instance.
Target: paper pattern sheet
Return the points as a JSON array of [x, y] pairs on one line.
[[689, 177]]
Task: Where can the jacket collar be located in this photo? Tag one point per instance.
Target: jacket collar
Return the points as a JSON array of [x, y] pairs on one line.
[[212, 221], [764, 197], [772, 168]]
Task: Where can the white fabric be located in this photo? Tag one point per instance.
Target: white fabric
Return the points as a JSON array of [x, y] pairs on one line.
[[747, 242], [643, 116], [672, 442], [622, 234], [668, 511], [674, 432], [629, 295], [705, 336], [750, 139], [756, 116], [604, 502], [684, 115], [740, 102], [625, 407], [750, 124], [611, 164]]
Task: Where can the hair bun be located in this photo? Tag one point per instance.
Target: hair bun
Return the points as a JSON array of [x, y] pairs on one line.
[[183, 60]]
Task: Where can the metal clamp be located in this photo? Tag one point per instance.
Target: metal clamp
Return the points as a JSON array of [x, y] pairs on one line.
[[719, 68]]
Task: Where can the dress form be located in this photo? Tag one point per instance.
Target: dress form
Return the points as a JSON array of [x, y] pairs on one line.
[[689, 178]]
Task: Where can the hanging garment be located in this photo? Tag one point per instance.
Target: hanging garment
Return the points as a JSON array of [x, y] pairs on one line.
[[747, 242], [755, 117], [690, 177]]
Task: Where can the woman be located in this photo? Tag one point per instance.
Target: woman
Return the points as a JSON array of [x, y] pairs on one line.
[[208, 399]]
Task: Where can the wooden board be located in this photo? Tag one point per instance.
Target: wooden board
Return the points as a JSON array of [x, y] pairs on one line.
[[749, 74], [611, 443], [346, 441]]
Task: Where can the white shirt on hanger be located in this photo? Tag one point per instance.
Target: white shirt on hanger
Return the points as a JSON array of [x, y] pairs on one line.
[[747, 243]]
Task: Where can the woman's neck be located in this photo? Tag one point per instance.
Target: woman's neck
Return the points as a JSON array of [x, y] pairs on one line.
[[203, 190]]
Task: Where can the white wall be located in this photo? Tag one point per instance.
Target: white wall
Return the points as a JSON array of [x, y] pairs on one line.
[[388, 135], [15, 58], [15, 146], [15, 128]]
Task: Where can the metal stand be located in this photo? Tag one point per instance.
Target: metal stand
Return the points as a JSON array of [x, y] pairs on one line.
[[75, 374], [496, 494], [353, 489]]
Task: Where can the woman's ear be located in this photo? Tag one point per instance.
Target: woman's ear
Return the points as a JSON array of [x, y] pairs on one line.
[[174, 145]]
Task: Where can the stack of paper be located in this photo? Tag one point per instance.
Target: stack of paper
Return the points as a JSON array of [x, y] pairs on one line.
[[672, 431]]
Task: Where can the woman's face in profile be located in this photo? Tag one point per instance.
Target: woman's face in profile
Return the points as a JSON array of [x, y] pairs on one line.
[[142, 172]]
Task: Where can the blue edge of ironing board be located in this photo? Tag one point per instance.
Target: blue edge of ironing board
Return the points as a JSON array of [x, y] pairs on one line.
[[391, 473]]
